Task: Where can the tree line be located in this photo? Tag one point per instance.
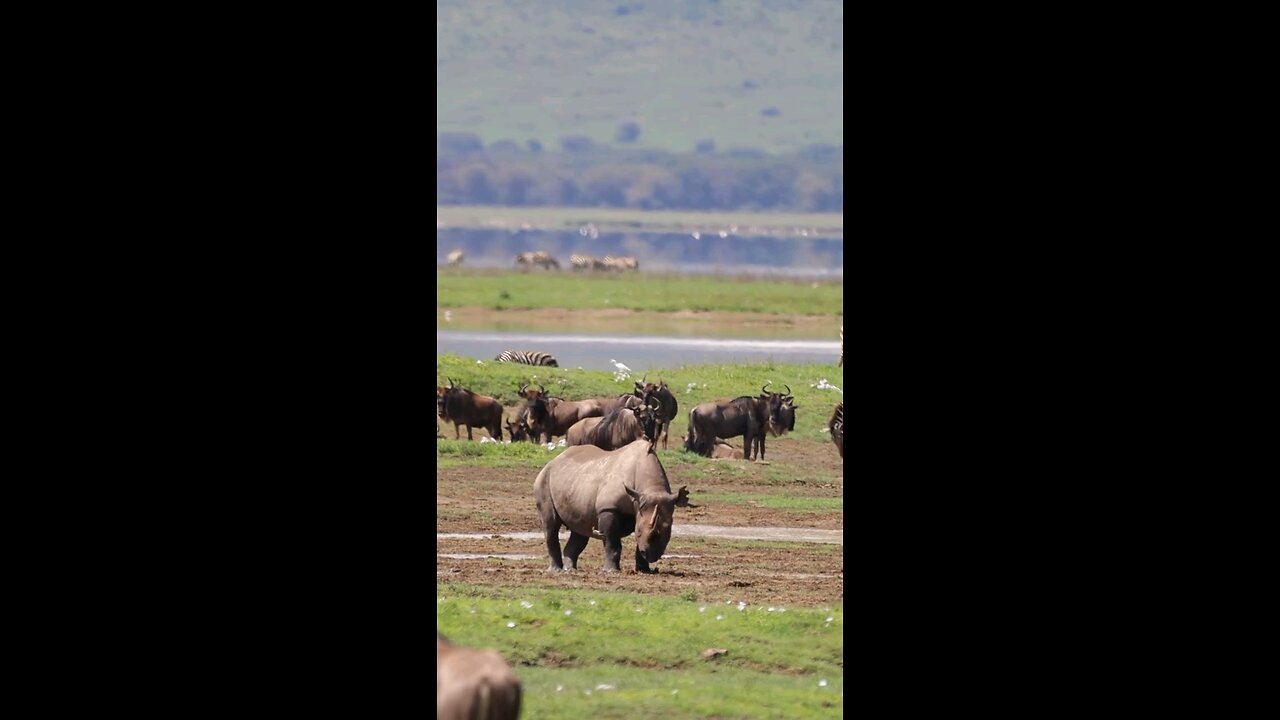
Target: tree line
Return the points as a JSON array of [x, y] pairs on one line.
[[585, 174]]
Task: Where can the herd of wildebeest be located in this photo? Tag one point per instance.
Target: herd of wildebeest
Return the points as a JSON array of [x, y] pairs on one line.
[[544, 260], [607, 484]]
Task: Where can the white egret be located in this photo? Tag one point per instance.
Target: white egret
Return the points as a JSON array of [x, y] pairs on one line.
[[620, 366]]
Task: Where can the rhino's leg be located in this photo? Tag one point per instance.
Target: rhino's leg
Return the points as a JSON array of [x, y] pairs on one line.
[[572, 549], [551, 525], [609, 523]]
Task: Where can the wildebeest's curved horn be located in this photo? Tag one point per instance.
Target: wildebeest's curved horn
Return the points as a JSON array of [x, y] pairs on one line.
[[522, 387], [762, 387], [681, 497], [639, 385], [446, 377], [788, 387], [542, 389]]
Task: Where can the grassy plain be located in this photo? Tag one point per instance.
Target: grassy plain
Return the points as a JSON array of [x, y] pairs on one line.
[[511, 289], [618, 654], [590, 644]]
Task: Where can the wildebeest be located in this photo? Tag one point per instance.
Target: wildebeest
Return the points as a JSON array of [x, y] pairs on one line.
[[722, 449], [747, 416], [781, 422], [668, 405], [621, 426], [456, 256], [528, 357], [561, 415], [836, 426], [474, 684], [616, 492], [463, 407], [533, 413], [542, 259]]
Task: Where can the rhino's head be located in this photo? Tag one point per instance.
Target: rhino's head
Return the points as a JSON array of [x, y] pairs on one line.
[[654, 513]]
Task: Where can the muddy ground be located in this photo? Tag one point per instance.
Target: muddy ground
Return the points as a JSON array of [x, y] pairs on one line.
[[734, 493]]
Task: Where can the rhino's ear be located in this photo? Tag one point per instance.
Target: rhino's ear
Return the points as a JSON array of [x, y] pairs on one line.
[[635, 496]]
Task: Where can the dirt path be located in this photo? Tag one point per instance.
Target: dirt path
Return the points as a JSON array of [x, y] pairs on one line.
[[756, 535]]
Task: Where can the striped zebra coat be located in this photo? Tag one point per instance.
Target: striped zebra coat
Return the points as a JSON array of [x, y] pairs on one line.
[[836, 426], [585, 262], [528, 357]]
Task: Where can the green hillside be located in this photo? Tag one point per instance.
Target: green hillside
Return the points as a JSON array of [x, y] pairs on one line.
[[767, 75]]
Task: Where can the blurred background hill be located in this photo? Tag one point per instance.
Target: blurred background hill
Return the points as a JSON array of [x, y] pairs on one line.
[[653, 105]]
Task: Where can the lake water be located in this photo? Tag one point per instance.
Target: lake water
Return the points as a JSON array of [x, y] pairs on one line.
[[639, 353], [808, 257]]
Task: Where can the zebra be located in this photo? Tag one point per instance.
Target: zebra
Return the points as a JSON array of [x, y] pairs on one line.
[[528, 357], [621, 263], [455, 257], [584, 262], [841, 360], [540, 258]]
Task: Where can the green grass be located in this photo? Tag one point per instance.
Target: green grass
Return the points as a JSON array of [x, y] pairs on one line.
[[709, 381], [511, 289], [611, 219], [684, 71], [776, 502], [646, 647]]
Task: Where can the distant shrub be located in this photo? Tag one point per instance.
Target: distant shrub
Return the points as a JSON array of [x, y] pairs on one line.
[[577, 144], [459, 142], [627, 132], [504, 146]]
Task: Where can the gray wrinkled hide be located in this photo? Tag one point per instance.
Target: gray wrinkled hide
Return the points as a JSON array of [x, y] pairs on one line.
[[585, 489]]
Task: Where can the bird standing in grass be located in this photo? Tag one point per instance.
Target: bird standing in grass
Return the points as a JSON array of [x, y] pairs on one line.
[[620, 366]]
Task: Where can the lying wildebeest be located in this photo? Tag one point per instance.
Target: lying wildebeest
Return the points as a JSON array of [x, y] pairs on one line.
[[463, 407], [474, 684], [721, 450], [621, 426], [668, 405], [836, 426], [615, 491], [747, 416]]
